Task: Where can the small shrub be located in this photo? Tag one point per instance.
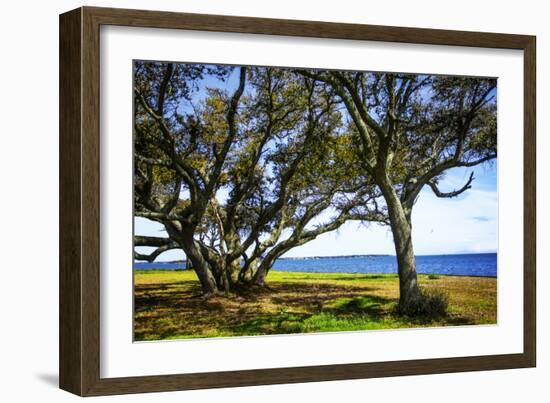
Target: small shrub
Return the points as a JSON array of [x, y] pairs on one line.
[[432, 304], [433, 276]]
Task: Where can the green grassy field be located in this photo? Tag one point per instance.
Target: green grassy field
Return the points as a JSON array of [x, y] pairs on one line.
[[168, 304]]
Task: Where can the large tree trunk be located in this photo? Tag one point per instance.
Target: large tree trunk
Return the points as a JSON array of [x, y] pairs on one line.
[[263, 269], [246, 273], [200, 266], [409, 293], [232, 265]]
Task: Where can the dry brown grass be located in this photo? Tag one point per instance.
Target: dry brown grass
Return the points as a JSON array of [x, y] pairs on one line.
[[168, 305]]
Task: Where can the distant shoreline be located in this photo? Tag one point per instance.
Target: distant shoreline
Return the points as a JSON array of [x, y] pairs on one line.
[[478, 265], [344, 257], [379, 255], [328, 274]]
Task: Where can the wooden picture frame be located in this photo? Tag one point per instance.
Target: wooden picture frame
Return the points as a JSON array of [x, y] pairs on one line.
[[79, 201]]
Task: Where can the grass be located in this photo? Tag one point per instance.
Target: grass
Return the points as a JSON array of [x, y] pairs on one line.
[[168, 304]]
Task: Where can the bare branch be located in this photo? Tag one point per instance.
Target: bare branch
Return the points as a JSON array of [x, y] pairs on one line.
[[140, 240], [437, 170], [155, 216], [433, 185], [152, 256]]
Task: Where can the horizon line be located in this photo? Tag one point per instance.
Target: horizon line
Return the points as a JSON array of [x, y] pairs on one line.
[[343, 256]]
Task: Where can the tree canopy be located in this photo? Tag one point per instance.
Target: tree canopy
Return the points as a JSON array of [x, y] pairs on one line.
[[242, 164], [242, 175], [411, 129]]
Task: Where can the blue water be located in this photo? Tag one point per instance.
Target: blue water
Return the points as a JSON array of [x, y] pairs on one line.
[[478, 264]]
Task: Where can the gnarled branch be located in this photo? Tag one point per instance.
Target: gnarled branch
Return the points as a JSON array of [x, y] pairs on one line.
[[152, 256], [454, 193], [140, 240]]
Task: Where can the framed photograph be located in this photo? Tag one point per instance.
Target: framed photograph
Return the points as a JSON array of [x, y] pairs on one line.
[[249, 201]]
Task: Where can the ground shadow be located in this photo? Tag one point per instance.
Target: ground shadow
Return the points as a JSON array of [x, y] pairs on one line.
[[175, 310], [171, 310]]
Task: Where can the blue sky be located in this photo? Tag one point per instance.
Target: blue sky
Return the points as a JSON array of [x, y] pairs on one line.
[[465, 224]]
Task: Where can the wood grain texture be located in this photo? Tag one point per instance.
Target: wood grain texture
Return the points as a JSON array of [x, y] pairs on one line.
[[70, 273], [80, 195], [314, 29], [530, 202], [90, 202]]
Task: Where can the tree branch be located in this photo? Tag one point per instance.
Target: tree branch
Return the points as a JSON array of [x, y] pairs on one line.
[[152, 256], [232, 133], [438, 170], [140, 240], [433, 185], [355, 114], [163, 88]]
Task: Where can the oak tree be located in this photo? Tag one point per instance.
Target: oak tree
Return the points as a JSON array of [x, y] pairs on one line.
[[244, 173], [411, 129]]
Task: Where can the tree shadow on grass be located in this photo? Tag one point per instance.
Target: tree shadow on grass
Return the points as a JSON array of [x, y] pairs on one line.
[[276, 323], [174, 311], [372, 305], [313, 296]]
